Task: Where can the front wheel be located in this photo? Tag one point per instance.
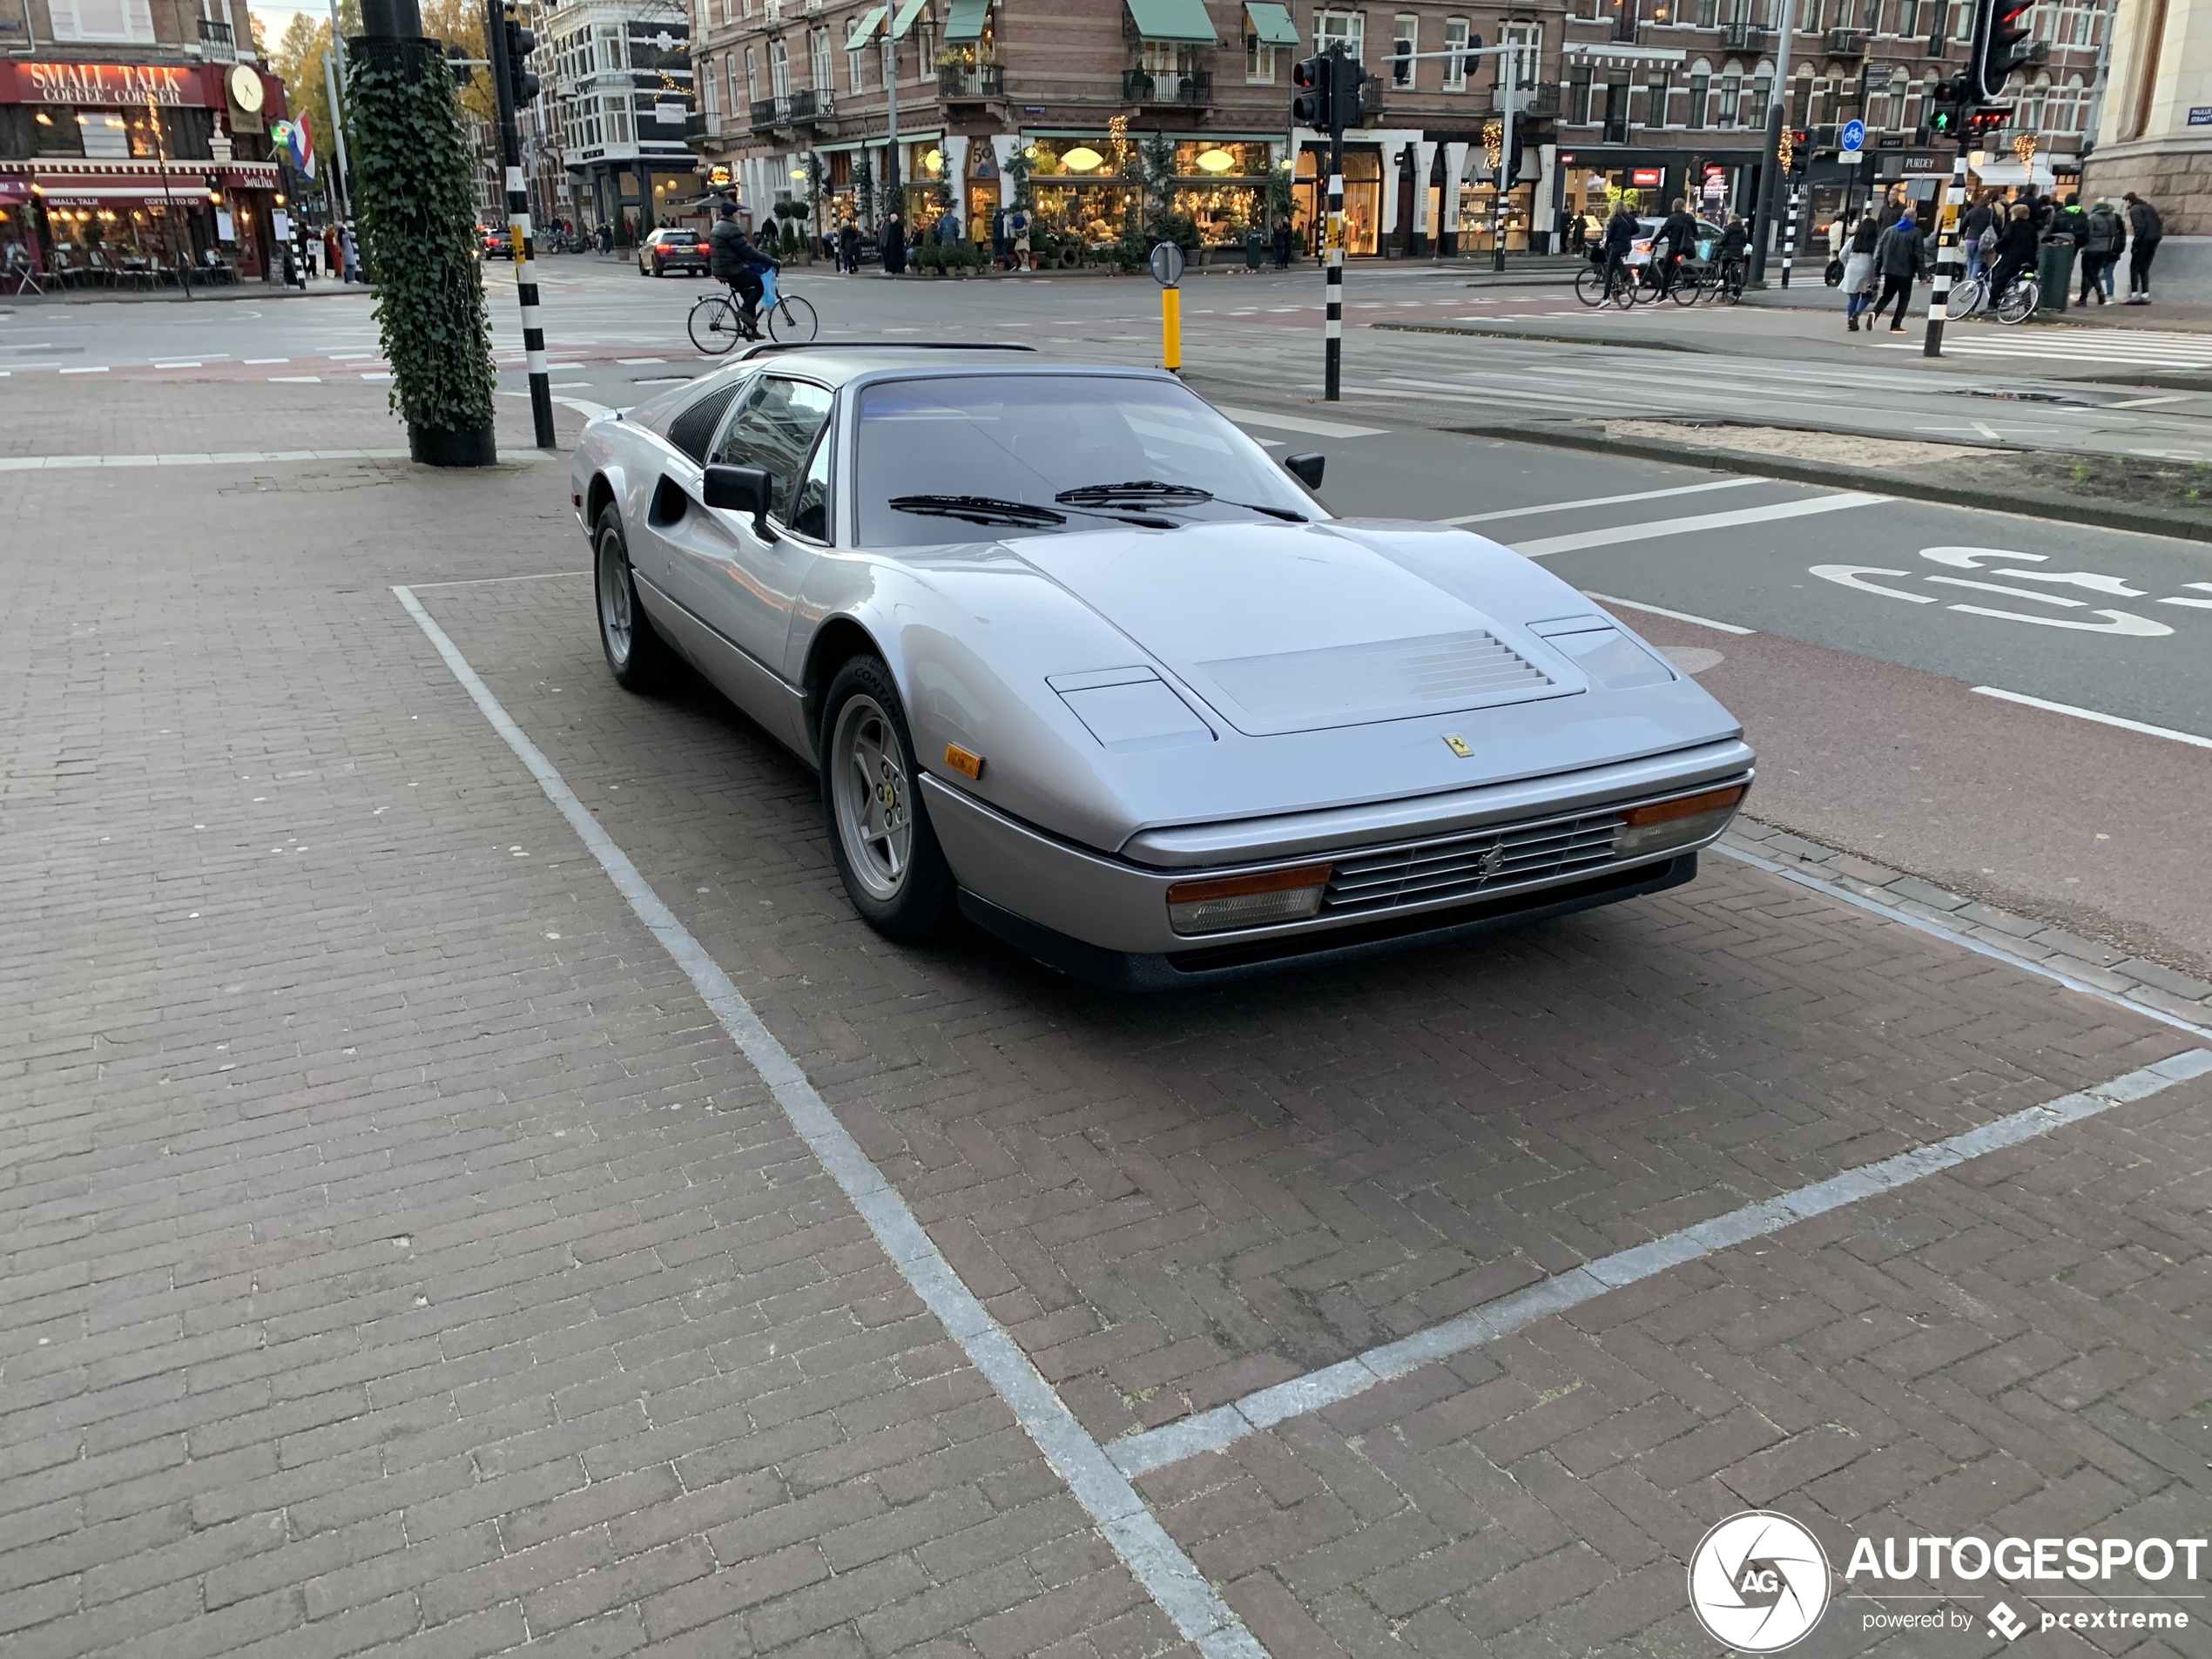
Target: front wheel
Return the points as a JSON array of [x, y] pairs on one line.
[[886, 854], [1687, 289], [1589, 285], [714, 327], [792, 321]]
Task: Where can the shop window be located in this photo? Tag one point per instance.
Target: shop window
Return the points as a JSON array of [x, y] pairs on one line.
[[1455, 68], [1694, 118], [54, 132], [104, 134], [1578, 96], [1404, 41]]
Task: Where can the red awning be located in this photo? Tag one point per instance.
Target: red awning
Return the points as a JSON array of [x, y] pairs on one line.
[[76, 189]]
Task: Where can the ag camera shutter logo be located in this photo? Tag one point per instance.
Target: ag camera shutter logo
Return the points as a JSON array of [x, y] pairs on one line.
[[1758, 1583]]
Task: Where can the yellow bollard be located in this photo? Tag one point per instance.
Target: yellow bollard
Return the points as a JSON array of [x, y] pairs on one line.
[[1171, 329]]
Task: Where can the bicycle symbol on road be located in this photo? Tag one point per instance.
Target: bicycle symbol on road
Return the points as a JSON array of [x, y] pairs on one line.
[[1999, 562]]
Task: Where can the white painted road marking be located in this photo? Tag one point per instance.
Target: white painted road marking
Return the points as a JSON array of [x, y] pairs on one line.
[[1209, 1431], [2091, 714], [1157, 1559], [1662, 610], [1772, 511], [1602, 501], [1298, 423], [237, 457]]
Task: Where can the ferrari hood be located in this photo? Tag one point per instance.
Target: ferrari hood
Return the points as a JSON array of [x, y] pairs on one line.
[[1299, 628]]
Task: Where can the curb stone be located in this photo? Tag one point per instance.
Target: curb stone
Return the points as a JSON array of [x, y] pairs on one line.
[[2131, 978]]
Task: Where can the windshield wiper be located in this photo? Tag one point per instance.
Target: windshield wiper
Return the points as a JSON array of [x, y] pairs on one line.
[[1145, 489], [978, 510]]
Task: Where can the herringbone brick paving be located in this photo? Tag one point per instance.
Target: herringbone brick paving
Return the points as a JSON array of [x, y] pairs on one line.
[[398, 1257]]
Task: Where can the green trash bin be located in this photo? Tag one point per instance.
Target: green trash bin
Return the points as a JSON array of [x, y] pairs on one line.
[[2054, 274]]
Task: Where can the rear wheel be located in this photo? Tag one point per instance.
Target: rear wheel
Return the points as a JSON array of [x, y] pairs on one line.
[[635, 655], [714, 326], [2019, 301], [887, 854]]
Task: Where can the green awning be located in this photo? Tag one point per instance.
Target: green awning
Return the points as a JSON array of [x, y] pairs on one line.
[[965, 20], [864, 31], [1272, 24], [1173, 20], [904, 18]]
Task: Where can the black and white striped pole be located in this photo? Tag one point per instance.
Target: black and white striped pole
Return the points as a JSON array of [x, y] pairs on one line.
[[1948, 253], [1332, 268], [509, 45], [1790, 232]]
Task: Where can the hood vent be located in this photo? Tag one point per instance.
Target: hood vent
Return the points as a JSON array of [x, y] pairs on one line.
[[1383, 679]]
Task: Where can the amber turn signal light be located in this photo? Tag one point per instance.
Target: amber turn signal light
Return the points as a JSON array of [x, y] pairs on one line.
[[967, 764], [1659, 811]]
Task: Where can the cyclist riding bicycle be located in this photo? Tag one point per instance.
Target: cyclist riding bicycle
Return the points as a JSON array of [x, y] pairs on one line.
[[733, 258], [1735, 243], [1680, 234]]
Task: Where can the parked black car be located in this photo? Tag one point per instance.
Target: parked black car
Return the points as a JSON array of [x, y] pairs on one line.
[[672, 249]]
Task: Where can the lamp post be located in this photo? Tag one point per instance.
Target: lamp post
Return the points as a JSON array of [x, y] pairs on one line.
[[169, 201]]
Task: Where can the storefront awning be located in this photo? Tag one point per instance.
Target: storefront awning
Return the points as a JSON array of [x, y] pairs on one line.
[[75, 187], [1271, 24], [903, 19], [2006, 174], [965, 21], [1177, 20], [864, 31]]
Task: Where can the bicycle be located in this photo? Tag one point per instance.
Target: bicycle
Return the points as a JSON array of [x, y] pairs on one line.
[[1967, 297], [715, 324], [2018, 303], [1590, 287]]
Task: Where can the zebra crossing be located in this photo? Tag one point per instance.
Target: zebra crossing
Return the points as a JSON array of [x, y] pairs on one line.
[[2120, 347]]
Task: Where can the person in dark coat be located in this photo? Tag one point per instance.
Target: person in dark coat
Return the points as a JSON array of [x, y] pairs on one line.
[[2102, 233], [895, 245], [2146, 229], [1900, 257], [1971, 224], [1283, 242], [1680, 234], [731, 258], [1620, 238], [2016, 246], [848, 248]]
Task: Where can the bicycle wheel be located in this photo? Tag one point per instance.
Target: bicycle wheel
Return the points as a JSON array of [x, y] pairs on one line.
[[1689, 288], [791, 320], [1589, 285], [1626, 289], [1966, 298], [713, 326], [2019, 301]]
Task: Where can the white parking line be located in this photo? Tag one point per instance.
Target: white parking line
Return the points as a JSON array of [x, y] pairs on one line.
[[1602, 501], [1155, 1560], [1620, 533], [230, 458], [1298, 423], [2091, 714], [1209, 1431], [1678, 615]]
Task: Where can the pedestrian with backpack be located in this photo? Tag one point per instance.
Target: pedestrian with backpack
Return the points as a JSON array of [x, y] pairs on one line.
[[2102, 233]]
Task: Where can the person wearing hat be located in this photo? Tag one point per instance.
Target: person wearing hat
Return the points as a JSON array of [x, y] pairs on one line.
[[731, 258]]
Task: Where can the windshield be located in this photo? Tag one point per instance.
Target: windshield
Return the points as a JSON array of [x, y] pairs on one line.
[[1035, 455]]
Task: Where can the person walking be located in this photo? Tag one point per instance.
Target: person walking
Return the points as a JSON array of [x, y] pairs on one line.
[[895, 245], [1858, 269], [349, 252], [2016, 249], [1901, 257], [1283, 239], [2102, 233], [2145, 229], [1018, 225], [1971, 224], [848, 248], [1619, 237]]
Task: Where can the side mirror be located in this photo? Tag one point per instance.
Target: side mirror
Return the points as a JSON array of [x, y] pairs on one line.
[[1306, 469], [739, 490]]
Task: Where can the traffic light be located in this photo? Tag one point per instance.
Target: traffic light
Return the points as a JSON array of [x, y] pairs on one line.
[[2001, 45], [522, 85], [1989, 119], [1800, 149], [1344, 95], [1310, 106], [1943, 110]]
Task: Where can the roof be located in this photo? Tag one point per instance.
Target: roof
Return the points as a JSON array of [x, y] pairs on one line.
[[1171, 20], [1271, 24]]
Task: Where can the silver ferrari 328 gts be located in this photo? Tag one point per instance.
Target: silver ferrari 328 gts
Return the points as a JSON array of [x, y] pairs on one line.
[[1075, 657]]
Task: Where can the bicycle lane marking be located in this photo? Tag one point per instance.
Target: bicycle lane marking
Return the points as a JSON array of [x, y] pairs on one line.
[[1123, 1517]]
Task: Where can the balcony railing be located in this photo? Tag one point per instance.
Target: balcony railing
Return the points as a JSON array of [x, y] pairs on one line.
[[769, 111], [1527, 101], [1142, 87], [1743, 38], [971, 80], [216, 42], [1847, 42], [811, 103]]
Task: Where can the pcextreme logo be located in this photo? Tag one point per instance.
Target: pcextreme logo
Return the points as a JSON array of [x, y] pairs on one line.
[[1758, 1583]]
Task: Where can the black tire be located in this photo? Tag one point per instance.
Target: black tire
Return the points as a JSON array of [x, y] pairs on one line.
[[918, 903], [1589, 286], [638, 658], [791, 318]]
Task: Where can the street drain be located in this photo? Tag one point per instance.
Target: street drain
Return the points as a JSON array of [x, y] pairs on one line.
[[2016, 395]]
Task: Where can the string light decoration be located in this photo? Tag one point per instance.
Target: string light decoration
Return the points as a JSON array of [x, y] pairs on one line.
[[1493, 143], [1785, 149], [2024, 147]]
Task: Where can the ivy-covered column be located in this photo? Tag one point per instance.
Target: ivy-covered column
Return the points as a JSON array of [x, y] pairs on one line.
[[417, 214]]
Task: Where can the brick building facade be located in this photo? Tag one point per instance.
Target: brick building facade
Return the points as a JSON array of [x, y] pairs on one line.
[[1645, 99]]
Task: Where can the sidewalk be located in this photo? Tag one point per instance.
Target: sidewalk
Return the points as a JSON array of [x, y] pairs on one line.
[[1808, 292]]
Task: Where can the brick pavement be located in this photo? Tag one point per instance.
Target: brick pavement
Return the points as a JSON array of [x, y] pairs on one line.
[[398, 1256]]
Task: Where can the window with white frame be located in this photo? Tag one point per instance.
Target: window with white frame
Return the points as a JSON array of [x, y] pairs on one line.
[[124, 20], [713, 110], [752, 76], [1455, 68], [730, 68], [779, 70], [1701, 81], [856, 67], [818, 61], [1345, 29], [1404, 41], [1528, 37], [1259, 61], [1731, 95]]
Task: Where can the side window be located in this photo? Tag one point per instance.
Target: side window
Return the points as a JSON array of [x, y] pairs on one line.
[[773, 429], [693, 429], [810, 508]]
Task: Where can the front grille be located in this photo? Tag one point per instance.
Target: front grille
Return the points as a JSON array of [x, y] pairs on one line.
[[1460, 866]]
